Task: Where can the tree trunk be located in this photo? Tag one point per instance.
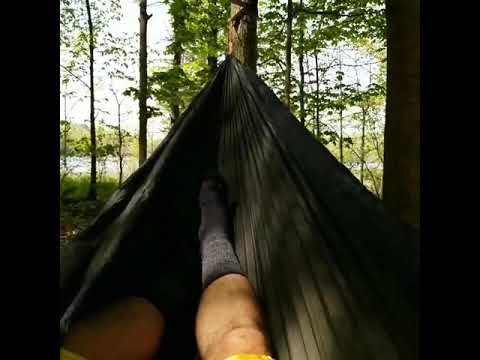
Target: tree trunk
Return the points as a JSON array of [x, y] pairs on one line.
[[317, 97], [212, 52], [401, 177], [364, 107], [212, 58], [341, 136], [341, 109], [362, 146], [92, 191], [300, 65], [178, 26], [120, 147], [288, 53], [302, 89], [142, 93], [65, 132], [120, 138], [177, 62], [242, 34]]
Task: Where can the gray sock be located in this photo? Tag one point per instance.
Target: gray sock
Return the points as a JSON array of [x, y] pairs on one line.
[[216, 250]]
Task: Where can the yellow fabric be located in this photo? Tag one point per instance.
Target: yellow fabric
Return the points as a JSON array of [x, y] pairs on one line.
[[249, 357], [67, 355]]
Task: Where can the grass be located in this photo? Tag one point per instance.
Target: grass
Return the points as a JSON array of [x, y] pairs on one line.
[[75, 188], [76, 212]]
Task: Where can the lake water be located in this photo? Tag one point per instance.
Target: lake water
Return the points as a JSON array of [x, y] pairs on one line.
[[81, 166]]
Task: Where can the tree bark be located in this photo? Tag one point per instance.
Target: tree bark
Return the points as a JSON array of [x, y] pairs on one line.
[[288, 53], [242, 35], [142, 93], [92, 191], [401, 177]]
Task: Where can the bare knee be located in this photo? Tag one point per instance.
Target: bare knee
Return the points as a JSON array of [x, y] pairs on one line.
[[238, 340], [129, 329], [144, 318], [140, 311]]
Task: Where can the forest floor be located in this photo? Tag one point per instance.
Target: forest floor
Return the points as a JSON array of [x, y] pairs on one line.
[[76, 212]]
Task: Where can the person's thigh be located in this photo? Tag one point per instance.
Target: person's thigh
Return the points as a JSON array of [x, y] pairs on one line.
[[129, 329]]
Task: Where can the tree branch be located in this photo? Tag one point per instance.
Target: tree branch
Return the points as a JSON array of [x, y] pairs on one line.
[[75, 76], [278, 62]]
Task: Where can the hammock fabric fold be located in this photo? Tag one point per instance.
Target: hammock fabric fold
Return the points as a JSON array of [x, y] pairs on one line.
[[336, 273]]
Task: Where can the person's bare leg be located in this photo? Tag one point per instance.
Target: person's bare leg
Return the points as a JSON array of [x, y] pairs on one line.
[[229, 319], [129, 329]]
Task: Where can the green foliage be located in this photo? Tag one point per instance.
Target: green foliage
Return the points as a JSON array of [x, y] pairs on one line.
[[334, 32], [74, 35], [207, 25], [75, 188], [199, 28], [78, 141], [172, 87]]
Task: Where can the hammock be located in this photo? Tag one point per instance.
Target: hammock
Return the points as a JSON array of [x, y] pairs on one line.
[[335, 272]]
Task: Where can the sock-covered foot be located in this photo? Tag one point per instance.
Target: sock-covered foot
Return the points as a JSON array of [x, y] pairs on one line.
[[216, 250]]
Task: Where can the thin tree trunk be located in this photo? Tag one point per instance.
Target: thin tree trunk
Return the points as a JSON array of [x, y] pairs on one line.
[[120, 147], [341, 136], [212, 58], [212, 55], [301, 67], [177, 62], [302, 89], [242, 34], [364, 108], [288, 53], [401, 177], [317, 97], [177, 47], [362, 146], [92, 191], [120, 139], [65, 132], [341, 112], [142, 93]]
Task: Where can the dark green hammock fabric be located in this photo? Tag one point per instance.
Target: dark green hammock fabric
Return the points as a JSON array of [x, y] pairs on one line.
[[336, 273]]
